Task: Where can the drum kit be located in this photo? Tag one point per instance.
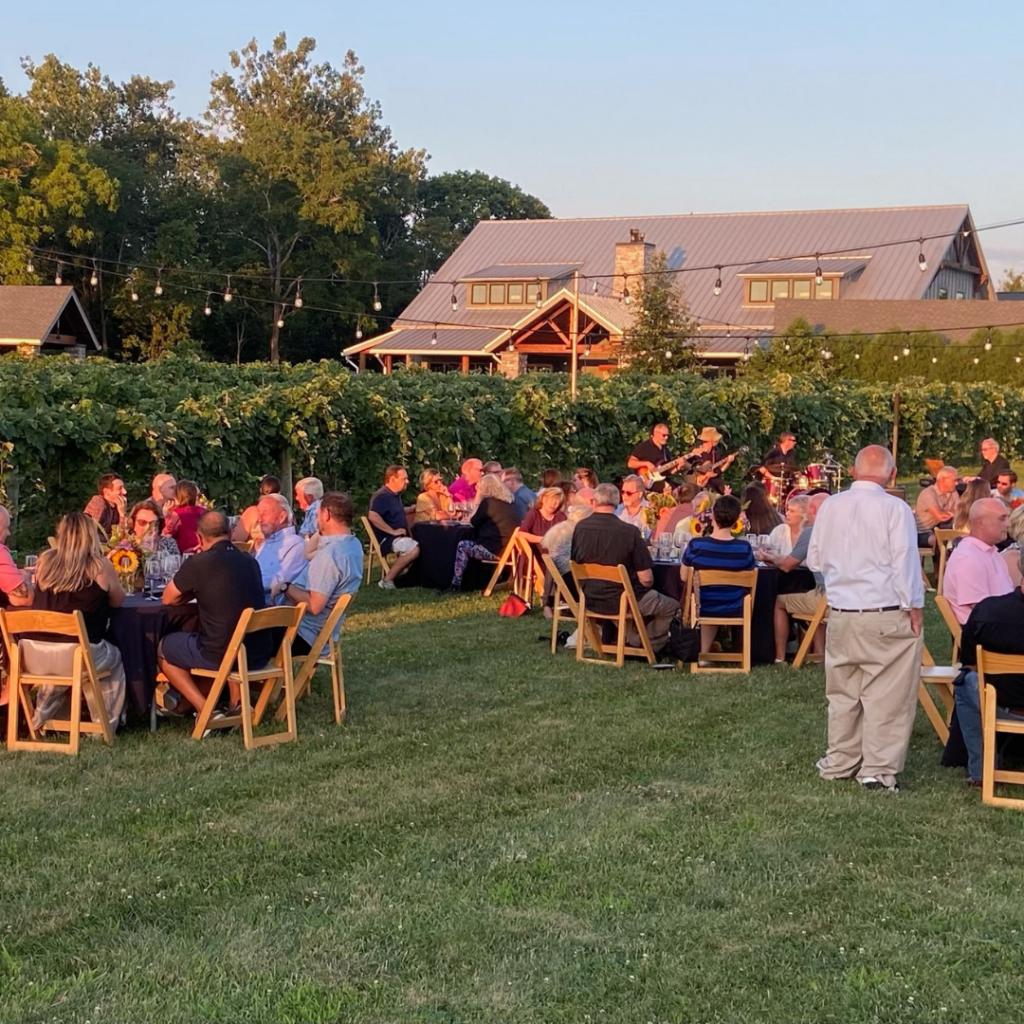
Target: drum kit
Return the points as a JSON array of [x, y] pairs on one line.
[[825, 475]]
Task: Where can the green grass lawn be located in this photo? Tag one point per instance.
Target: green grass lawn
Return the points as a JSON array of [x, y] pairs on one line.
[[497, 834]]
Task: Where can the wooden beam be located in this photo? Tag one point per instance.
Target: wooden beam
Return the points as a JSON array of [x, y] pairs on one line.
[[387, 364], [465, 365]]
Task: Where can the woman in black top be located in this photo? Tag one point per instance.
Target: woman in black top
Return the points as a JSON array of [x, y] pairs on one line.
[[494, 522], [75, 577], [762, 518]]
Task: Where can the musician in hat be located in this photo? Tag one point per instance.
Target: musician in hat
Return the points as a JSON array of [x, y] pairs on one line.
[[702, 462]]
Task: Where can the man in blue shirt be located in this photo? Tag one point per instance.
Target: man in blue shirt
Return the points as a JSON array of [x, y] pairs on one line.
[[335, 569], [387, 517], [522, 497], [308, 492], [280, 556]]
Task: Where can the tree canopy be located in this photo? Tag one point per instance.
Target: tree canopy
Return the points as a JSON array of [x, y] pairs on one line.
[[290, 182]]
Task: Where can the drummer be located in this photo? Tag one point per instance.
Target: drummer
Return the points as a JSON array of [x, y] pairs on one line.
[[781, 460]]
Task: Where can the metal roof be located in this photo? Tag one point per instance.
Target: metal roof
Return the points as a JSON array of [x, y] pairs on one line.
[[832, 267], [524, 271], [704, 240], [449, 341], [29, 313]]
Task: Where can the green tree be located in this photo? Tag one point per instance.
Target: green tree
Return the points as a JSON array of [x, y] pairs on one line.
[[300, 157], [450, 205], [660, 339], [1013, 281]]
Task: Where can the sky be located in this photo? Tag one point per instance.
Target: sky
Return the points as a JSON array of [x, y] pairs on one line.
[[636, 107]]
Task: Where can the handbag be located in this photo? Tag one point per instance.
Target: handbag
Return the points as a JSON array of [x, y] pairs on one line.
[[512, 607]]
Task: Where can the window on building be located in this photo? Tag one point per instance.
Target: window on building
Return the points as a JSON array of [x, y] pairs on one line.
[[479, 296], [515, 294], [959, 295], [780, 290], [825, 290], [497, 295], [534, 292], [943, 293], [801, 289], [758, 291], [504, 294]]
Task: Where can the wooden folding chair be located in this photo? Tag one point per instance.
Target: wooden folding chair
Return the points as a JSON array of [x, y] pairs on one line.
[[517, 558], [234, 666], [924, 553], [374, 555], [589, 623], [940, 677], [564, 601], [943, 538], [992, 725], [686, 609], [83, 679], [324, 639], [813, 622], [714, 578]]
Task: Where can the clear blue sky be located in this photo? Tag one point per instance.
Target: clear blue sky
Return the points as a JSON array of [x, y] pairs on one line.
[[633, 107]]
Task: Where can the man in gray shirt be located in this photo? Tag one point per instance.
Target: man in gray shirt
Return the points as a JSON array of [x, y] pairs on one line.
[[936, 505]]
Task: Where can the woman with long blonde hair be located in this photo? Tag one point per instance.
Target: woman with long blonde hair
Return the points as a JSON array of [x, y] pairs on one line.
[[74, 576]]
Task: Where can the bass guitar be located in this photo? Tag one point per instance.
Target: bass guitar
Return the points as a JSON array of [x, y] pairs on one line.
[[700, 475]]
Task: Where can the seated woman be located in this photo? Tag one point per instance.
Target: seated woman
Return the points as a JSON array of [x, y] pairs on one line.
[[494, 522], [146, 522], [74, 576], [976, 489], [557, 543], [181, 523], [433, 504], [762, 516], [723, 552], [784, 536], [546, 512], [248, 527]]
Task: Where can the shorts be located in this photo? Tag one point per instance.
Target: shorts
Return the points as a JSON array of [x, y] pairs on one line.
[[182, 651], [805, 604], [403, 545]]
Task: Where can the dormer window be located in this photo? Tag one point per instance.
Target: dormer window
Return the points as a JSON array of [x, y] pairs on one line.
[[505, 293], [763, 292]]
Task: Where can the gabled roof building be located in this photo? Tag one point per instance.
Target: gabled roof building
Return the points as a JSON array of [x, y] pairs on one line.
[[44, 319], [515, 294]]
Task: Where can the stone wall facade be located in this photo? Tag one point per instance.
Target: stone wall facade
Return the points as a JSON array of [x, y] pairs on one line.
[[511, 363]]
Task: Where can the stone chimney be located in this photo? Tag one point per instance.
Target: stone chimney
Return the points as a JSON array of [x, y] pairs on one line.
[[631, 261]]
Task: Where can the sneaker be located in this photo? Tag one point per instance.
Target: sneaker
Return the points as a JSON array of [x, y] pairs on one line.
[[218, 718], [874, 785], [386, 584]]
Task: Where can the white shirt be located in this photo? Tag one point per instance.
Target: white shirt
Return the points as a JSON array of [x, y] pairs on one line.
[[633, 518], [779, 541], [865, 546], [281, 557]]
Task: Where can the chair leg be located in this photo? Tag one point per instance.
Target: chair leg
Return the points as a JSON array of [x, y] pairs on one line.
[[338, 683], [555, 618], [988, 736], [289, 703], [203, 721], [620, 645], [76, 706], [247, 712]]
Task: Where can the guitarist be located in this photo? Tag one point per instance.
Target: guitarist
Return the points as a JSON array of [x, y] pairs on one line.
[[706, 456], [649, 455]]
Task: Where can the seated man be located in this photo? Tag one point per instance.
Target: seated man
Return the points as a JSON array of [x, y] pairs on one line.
[[108, 506], [492, 468], [992, 463], [336, 568], [224, 582], [522, 497], [281, 555], [463, 488], [997, 625], [805, 603], [631, 510], [723, 552], [388, 520], [163, 490], [604, 539], [936, 506], [1006, 488], [975, 569], [308, 492]]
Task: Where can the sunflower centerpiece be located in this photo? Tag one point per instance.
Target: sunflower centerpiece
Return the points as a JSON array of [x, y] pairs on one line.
[[127, 557], [702, 523]]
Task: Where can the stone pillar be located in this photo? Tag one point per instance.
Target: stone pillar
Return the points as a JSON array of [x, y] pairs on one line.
[[77, 352], [511, 363]]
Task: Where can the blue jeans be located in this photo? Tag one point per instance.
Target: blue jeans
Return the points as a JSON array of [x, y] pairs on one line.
[[968, 714]]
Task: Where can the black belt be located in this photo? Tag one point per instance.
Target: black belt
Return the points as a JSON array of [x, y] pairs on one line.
[[865, 611]]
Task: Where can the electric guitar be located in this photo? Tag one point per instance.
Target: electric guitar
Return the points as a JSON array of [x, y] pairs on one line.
[[706, 471], [658, 473]]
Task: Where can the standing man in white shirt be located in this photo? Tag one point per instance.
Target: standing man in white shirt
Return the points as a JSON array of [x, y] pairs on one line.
[[865, 547]]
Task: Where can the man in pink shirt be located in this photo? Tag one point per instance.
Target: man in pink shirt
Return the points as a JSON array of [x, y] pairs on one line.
[[976, 570], [464, 487]]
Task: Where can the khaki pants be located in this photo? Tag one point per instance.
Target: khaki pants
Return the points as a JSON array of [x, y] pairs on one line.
[[657, 611], [872, 672]]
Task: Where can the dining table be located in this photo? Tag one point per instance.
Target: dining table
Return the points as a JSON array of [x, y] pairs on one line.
[[762, 627], [137, 628], [435, 565]]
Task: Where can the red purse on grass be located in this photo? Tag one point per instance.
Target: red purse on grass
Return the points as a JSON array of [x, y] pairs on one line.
[[512, 607]]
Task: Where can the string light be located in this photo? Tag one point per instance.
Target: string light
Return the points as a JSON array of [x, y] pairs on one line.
[[135, 294], [377, 305], [56, 277], [95, 278], [433, 338], [921, 261], [817, 270], [906, 351], [298, 293], [359, 333], [207, 309], [455, 301], [826, 354], [988, 342], [856, 355], [718, 282], [895, 359], [227, 291], [1016, 359], [280, 320], [935, 359], [159, 289], [976, 360], [31, 268], [540, 301], [626, 297], [593, 287]]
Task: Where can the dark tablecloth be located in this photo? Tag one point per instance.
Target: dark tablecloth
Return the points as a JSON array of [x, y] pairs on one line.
[[667, 581], [436, 562], [136, 628]]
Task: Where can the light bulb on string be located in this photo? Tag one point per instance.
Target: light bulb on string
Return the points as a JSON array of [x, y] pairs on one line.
[[455, 301], [280, 321], [227, 291], [718, 282], [298, 294], [377, 304], [207, 310], [95, 278], [30, 266], [359, 333], [57, 279], [817, 270], [135, 294], [1016, 359], [921, 261], [856, 355], [159, 289], [594, 288], [626, 297], [935, 359], [433, 337], [540, 301], [906, 351], [976, 360], [988, 343], [826, 354]]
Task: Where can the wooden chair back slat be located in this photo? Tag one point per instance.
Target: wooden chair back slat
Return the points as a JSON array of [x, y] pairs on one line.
[[992, 664], [588, 623]]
